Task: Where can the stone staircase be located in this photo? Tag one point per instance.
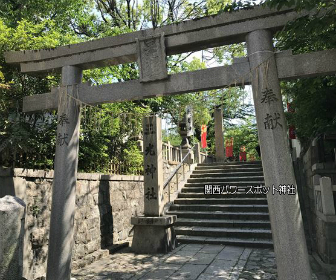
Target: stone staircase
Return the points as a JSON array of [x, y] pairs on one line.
[[233, 219]]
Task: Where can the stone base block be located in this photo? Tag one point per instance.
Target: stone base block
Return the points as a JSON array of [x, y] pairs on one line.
[[153, 234]]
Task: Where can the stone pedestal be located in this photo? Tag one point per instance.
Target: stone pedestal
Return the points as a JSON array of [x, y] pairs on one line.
[[184, 151], [219, 136], [12, 215], [284, 208], [153, 234]]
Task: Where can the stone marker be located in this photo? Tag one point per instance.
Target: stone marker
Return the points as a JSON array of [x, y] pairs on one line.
[[152, 233], [61, 239], [219, 136], [153, 166], [284, 209], [12, 216]]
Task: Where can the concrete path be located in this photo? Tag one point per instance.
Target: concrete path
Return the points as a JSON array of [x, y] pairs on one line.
[[192, 261]]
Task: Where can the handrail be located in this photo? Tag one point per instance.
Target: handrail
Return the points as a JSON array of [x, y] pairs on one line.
[[176, 169], [170, 152]]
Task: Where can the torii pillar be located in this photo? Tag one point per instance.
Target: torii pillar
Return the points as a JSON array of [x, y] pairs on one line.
[[284, 209], [219, 136], [61, 237]]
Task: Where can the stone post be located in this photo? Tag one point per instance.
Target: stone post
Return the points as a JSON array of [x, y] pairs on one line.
[[219, 136], [284, 209], [12, 217], [327, 196], [170, 153], [61, 239], [153, 233]]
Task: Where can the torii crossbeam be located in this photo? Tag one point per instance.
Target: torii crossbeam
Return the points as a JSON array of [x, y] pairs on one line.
[[288, 67]]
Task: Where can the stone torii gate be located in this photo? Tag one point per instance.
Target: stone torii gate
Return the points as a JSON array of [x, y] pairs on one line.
[[150, 48]]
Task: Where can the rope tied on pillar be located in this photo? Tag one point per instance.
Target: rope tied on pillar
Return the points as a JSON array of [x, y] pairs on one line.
[[267, 51]]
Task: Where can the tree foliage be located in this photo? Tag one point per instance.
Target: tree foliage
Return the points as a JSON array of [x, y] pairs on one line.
[[26, 25], [313, 99], [244, 135]]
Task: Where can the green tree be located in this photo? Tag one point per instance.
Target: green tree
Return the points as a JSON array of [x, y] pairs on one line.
[[29, 137], [245, 134], [313, 99], [26, 24]]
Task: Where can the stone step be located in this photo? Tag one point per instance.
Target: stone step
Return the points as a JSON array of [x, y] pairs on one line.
[[225, 207], [201, 174], [219, 215], [186, 194], [238, 218], [208, 179], [223, 232], [213, 201], [244, 242], [235, 163], [224, 171], [228, 167], [262, 224]]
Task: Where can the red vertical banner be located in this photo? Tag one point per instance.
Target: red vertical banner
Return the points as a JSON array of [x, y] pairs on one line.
[[242, 154], [291, 128], [290, 108], [203, 136], [229, 147], [291, 132]]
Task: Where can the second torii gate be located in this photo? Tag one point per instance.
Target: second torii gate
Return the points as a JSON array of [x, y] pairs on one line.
[[262, 68]]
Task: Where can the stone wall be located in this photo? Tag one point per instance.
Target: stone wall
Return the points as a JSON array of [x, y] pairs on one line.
[[320, 229], [105, 205]]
